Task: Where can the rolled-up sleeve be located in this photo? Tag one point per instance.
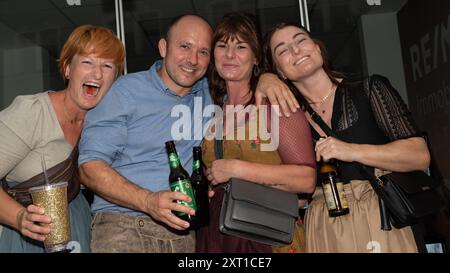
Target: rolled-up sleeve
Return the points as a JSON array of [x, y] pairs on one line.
[[105, 127]]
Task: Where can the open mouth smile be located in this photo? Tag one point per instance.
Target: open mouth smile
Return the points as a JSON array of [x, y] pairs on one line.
[[91, 89]]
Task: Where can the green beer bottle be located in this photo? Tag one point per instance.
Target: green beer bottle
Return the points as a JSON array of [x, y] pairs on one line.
[[179, 181], [200, 184]]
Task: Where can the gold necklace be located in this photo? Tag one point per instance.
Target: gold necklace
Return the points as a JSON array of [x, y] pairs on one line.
[[322, 100]]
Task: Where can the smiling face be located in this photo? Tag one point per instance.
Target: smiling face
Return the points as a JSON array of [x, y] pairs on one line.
[[186, 53], [89, 78], [234, 60], [294, 53]]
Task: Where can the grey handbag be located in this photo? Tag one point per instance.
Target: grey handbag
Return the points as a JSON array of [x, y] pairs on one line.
[[256, 212]]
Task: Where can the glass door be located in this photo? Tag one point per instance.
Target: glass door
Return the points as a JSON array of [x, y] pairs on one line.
[[360, 35]]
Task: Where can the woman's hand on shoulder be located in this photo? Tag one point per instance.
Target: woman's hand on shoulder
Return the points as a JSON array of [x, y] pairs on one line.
[[271, 87], [29, 220]]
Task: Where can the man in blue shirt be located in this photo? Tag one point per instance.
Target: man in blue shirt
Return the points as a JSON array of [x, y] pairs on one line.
[[122, 153]]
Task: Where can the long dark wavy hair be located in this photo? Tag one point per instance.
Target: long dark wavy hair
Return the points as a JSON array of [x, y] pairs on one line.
[[271, 67], [236, 26]]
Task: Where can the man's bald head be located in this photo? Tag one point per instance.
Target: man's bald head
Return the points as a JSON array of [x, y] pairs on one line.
[[188, 20]]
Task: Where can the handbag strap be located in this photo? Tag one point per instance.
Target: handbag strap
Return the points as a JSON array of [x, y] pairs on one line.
[[218, 151], [318, 119], [218, 148]]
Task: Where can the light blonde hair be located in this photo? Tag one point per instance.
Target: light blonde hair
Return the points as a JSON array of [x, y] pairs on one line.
[[90, 39]]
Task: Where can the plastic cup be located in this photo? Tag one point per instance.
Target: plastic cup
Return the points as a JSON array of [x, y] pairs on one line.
[[53, 199]]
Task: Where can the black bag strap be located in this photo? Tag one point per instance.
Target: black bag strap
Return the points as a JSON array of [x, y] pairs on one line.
[[218, 151], [385, 224], [218, 148]]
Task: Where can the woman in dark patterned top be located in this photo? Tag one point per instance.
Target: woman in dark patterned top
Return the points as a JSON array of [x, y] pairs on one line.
[[373, 127]]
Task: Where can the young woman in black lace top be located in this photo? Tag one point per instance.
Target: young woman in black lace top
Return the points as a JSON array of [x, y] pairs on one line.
[[373, 127]]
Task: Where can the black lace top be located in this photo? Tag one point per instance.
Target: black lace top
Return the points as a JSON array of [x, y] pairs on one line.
[[364, 114]]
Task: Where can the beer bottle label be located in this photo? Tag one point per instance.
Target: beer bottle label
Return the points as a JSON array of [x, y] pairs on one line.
[[174, 161], [329, 199], [184, 186], [195, 165], [340, 188]]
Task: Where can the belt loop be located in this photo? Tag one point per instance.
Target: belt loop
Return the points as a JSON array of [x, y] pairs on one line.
[[94, 219]]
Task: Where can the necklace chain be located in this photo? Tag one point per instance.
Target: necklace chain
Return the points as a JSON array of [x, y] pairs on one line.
[[317, 104], [322, 100]]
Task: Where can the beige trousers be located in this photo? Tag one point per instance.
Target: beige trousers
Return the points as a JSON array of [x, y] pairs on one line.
[[119, 232], [359, 230]]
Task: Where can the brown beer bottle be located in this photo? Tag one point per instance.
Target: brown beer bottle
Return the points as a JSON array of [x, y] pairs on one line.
[[333, 189], [179, 181], [200, 185]]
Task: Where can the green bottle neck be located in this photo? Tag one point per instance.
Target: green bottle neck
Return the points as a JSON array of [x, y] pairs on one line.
[[174, 161], [196, 165]]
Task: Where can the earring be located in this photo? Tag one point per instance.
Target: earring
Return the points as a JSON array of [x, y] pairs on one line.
[[256, 70]]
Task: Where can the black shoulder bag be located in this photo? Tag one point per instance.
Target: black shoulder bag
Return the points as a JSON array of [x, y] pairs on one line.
[[405, 197], [256, 212]]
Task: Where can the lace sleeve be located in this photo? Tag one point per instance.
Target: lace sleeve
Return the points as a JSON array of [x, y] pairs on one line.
[[391, 113], [295, 145]]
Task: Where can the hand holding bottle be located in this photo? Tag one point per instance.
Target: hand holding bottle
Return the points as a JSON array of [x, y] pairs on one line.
[[161, 205], [331, 147], [180, 182], [333, 188]]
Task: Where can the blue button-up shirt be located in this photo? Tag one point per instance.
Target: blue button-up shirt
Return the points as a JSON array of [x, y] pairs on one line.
[[129, 127]]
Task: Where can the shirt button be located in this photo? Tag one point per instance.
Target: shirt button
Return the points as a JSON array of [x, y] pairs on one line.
[[141, 223]]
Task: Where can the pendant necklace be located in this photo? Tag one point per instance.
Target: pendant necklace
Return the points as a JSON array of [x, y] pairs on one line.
[[322, 100]]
